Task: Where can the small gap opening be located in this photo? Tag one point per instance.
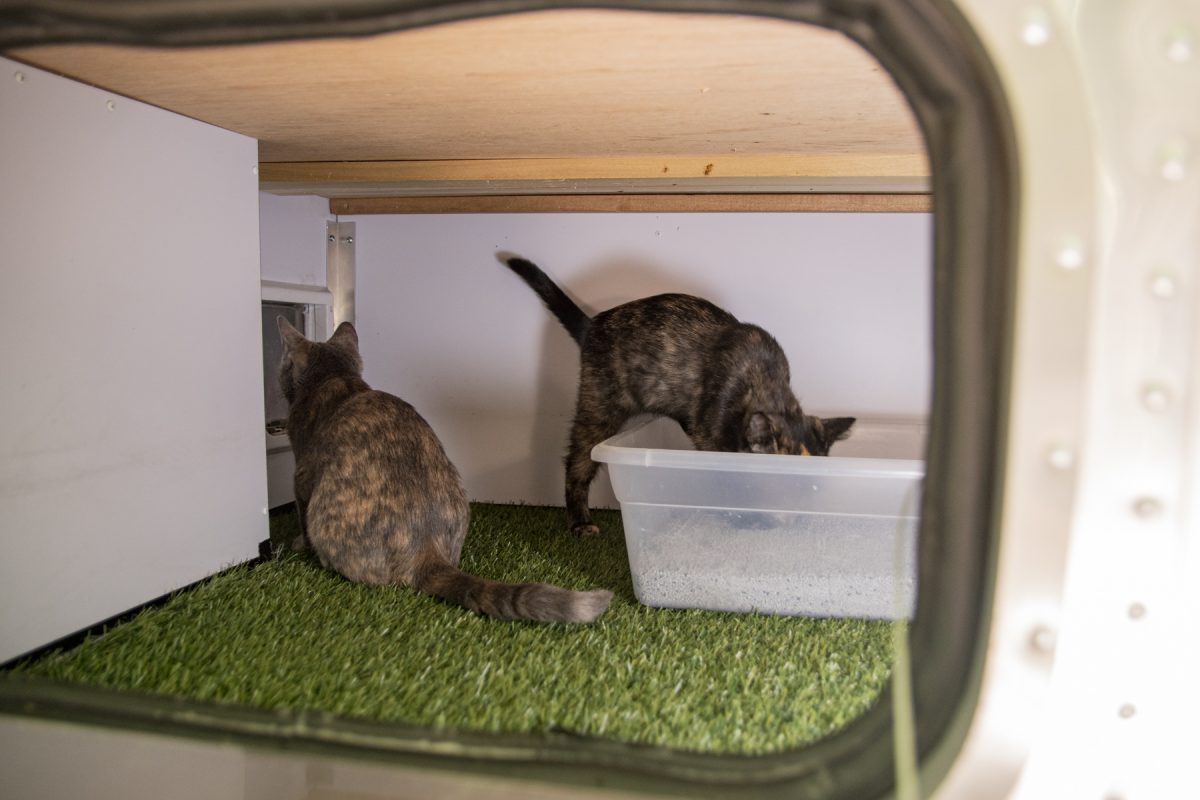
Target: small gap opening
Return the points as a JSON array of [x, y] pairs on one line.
[[275, 404]]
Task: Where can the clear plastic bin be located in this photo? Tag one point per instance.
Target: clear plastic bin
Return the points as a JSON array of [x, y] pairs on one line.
[[828, 537]]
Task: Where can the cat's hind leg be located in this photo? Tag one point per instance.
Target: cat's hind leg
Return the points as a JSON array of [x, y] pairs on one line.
[[302, 487], [299, 542], [588, 430]]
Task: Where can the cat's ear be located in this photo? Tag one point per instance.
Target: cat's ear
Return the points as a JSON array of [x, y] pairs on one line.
[[295, 349], [760, 433], [293, 339], [834, 429], [345, 336]]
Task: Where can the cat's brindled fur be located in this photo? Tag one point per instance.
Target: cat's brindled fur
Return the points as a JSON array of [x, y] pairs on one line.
[[379, 500], [726, 382]]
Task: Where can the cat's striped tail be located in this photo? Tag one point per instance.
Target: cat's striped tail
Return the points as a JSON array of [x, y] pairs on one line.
[[569, 314], [537, 602]]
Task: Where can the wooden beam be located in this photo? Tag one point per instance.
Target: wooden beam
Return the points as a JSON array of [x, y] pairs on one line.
[[661, 203], [827, 173], [815, 165]]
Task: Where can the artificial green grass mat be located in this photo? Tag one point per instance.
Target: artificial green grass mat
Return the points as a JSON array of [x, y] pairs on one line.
[[288, 634]]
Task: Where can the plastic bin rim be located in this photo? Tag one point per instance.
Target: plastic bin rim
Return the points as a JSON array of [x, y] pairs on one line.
[[610, 451]]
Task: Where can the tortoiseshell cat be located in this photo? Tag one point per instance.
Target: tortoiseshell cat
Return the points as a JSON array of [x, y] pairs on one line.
[[379, 500], [726, 382]]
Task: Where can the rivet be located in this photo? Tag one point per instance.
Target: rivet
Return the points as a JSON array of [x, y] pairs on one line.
[[1043, 639], [1035, 31], [349, 240], [1180, 46], [332, 238], [1173, 161], [1136, 611], [1163, 285], [1070, 255], [111, 105], [1147, 507], [1060, 457], [19, 76], [1126, 711], [1156, 399], [1174, 170]]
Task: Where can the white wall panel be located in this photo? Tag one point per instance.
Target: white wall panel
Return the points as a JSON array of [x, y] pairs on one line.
[[293, 238], [131, 443], [451, 330]]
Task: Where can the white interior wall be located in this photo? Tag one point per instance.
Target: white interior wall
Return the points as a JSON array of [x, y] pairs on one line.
[[131, 443], [451, 330]]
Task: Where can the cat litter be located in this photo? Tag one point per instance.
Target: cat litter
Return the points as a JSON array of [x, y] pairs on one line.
[[829, 537]]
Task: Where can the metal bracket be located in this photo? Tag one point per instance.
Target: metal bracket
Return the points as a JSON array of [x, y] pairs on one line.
[[340, 269]]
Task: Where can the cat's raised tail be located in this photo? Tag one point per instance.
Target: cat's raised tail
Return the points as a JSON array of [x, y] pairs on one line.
[[569, 314], [538, 602]]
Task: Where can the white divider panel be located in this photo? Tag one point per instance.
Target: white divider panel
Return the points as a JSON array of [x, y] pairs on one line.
[[131, 441]]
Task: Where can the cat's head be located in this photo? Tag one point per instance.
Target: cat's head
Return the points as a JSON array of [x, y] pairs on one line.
[[794, 434], [307, 362], [822, 432]]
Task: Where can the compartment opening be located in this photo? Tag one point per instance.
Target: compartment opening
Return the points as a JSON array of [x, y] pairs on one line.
[[275, 411], [970, 319]]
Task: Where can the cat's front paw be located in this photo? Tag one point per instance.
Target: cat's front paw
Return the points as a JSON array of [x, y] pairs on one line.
[[585, 529]]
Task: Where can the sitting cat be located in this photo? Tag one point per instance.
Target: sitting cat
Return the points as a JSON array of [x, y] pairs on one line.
[[379, 501], [726, 382]]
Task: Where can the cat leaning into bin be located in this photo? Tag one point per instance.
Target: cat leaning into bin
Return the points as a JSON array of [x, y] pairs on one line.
[[725, 382], [379, 500]]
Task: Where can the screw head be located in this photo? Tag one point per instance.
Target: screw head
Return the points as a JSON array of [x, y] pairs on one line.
[[331, 238]]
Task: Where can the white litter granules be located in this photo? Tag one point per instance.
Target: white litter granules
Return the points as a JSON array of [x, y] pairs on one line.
[[775, 562]]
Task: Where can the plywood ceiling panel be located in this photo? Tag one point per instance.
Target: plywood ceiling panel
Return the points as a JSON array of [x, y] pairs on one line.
[[557, 84]]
